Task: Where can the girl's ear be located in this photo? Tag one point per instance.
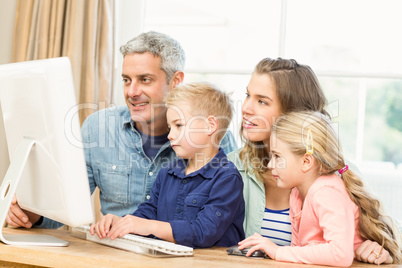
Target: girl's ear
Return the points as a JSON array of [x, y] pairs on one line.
[[308, 162], [212, 125]]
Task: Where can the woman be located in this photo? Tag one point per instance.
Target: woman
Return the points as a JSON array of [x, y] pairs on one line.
[[276, 87]]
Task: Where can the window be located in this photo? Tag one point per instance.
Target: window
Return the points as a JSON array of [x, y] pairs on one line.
[[353, 46]]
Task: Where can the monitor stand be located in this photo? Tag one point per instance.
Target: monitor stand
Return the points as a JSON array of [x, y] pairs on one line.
[[7, 192]]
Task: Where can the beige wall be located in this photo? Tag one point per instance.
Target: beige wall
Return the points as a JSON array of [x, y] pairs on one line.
[[7, 15]]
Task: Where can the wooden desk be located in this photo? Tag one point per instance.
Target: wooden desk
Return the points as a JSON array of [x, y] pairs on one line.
[[82, 253]]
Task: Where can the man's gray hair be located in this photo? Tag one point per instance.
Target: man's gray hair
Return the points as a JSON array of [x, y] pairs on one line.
[[160, 45]]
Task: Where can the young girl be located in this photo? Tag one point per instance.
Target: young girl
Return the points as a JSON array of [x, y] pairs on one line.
[[330, 211]]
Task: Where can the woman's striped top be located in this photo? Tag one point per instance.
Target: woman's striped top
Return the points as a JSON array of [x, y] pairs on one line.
[[276, 226]]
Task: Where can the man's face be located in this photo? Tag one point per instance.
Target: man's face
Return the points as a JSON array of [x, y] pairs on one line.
[[145, 87]]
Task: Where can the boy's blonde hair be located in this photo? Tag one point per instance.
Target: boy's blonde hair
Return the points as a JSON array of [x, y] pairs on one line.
[[206, 100], [311, 132]]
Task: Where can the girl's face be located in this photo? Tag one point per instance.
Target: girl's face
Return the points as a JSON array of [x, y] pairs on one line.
[[286, 166], [260, 109]]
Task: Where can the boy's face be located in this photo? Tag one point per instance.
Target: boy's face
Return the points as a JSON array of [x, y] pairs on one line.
[[188, 134], [145, 87]]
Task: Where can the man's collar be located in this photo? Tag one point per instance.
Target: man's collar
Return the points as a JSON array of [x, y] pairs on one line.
[[128, 121]]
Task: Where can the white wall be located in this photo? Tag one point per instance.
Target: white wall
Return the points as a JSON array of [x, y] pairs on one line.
[[7, 16], [131, 12]]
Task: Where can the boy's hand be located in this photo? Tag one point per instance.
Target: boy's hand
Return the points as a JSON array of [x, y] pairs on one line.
[[113, 226], [131, 224], [102, 227], [257, 242]]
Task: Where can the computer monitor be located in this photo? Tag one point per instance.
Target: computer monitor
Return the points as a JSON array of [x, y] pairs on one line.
[[40, 129]]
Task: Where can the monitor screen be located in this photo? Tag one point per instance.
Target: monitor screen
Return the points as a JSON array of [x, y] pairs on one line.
[[40, 131]]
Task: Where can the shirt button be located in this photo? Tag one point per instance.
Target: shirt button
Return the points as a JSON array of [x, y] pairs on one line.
[[218, 214], [184, 181], [194, 201], [151, 173], [148, 197], [114, 167], [179, 210]]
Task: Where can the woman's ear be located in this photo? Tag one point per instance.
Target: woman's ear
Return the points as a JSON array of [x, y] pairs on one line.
[[308, 162], [212, 125]]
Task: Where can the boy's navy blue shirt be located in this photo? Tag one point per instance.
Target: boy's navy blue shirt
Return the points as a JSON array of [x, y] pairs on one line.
[[204, 208]]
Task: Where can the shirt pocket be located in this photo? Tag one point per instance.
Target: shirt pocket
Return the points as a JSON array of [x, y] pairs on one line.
[[194, 203], [114, 182]]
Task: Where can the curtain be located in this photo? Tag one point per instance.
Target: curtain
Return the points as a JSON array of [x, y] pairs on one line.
[[82, 30]]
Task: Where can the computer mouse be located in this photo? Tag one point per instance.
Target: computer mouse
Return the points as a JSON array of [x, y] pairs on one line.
[[234, 250]]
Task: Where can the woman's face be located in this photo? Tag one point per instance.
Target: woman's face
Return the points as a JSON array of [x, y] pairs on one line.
[[260, 109]]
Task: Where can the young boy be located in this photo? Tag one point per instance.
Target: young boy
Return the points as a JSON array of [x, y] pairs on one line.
[[196, 201]]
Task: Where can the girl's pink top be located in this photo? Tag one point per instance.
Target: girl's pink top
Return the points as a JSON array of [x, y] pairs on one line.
[[325, 227]]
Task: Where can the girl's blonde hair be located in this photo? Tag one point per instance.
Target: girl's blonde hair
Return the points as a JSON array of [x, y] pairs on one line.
[[205, 99], [311, 132], [298, 89]]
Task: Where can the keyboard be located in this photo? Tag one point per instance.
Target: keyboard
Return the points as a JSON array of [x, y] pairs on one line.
[[136, 243]]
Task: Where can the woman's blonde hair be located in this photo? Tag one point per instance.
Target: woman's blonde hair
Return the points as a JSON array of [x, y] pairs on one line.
[[312, 132], [205, 99], [298, 89]]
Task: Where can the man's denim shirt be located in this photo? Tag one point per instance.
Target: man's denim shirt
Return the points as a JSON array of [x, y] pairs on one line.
[[117, 164]]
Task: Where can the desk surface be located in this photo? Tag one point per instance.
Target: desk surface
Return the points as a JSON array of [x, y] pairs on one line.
[[82, 253]]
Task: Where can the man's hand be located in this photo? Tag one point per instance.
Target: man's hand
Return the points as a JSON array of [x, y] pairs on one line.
[[18, 217]]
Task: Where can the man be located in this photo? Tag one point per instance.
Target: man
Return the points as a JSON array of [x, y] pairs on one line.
[[125, 147]]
